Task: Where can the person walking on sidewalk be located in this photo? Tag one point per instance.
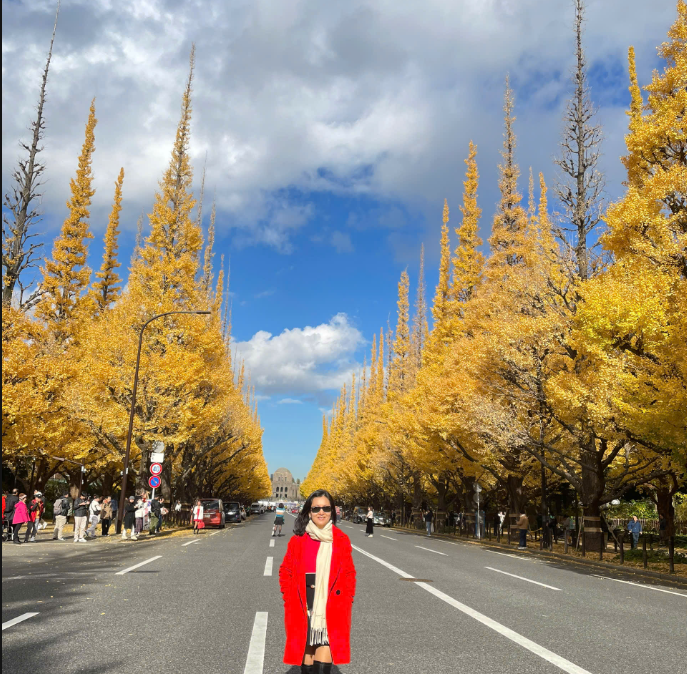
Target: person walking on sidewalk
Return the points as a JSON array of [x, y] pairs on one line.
[[634, 526], [34, 509], [93, 516], [197, 517], [428, 521], [523, 526], [369, 529], [129, 519], [10, 505], [155, 516], [139, 514], [106, 515], [19, 517], [278, 520], [317, 581], [60, 509]]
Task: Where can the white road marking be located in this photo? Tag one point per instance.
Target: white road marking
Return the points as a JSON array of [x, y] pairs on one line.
[[14, 578], [531, 646], [214, 533], [256, 650], [512, 575], [135, 566], [389, 537], [648, 587], [268, 566], [18, 619], [436, 552], [272, 543], [505, 554], [195, 540]]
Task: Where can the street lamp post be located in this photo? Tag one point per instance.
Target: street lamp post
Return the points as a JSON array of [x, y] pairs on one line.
[[125, 472]]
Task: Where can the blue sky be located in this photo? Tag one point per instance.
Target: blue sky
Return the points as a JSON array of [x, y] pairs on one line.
[[332, 131]]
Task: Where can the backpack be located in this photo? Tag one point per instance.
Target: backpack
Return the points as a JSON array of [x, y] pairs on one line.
[[57, 507]]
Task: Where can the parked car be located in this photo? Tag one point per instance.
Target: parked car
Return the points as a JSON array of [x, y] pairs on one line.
[[213, 512], [243, 513], [382, 519], [359, 515], [232, 512], [255, 509]]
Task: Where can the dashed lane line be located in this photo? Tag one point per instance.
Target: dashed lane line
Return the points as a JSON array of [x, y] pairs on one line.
[[505, 554], [268, 566], [544, 653], [436, 552], [272, 543], [648, 587], [256, 650], [18, 619], [512, 575], [136, 566], [389, 537], [195, 540], [214, 533]]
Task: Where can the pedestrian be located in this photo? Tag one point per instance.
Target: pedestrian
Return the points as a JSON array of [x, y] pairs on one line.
[[523, 526], [129, 519], [502, 517], [370, 518], [114, 504], [319, 559], [34, 517], [278, 520], [139, 514], [197, 517], [393, 518], [81, 508], [428, 521], [10, 505], [93, 516], [553, 525], [634, 526], [106, 516], [163, 512], [40, 522], [155, 516], [19, 517], [59, 510]]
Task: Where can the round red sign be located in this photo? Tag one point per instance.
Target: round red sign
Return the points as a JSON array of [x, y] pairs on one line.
[[155, 468]]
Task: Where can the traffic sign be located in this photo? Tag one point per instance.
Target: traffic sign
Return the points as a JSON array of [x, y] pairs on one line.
[[154, 481], [155, 468]]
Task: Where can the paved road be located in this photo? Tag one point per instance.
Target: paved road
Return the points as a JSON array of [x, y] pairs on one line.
[[211, 604]]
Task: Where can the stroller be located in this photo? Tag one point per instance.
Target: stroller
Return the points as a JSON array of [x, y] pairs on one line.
[[6, 529]]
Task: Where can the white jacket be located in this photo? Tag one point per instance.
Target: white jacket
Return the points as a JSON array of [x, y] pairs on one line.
[[94, 510], [198, 512]]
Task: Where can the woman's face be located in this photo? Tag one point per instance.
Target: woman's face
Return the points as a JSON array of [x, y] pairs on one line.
[[320, 518]]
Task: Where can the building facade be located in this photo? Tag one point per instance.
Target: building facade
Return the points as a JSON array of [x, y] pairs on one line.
[[284, 487]]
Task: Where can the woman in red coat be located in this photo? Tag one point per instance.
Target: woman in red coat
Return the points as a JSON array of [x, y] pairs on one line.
[[317, 579]]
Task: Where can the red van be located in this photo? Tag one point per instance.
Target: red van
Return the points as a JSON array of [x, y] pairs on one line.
[[213, 512]]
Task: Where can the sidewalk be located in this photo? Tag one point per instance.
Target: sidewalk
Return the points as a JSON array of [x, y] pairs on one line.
[[678, 579]]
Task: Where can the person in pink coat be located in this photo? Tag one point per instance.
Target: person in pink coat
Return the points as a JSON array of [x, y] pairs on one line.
[[21, 515]]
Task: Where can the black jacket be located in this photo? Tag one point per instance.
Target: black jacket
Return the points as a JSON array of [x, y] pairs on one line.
[[156, 508], [81, 507], [129, 514], [10, 504]]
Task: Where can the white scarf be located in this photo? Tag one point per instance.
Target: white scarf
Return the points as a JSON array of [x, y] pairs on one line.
[[318, 615]]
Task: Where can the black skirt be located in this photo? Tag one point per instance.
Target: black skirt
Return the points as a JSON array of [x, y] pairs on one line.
[[370, 526], [310, 598]]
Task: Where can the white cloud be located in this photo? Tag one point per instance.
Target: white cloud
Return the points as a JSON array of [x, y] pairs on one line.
[[342, 242], [375, 97], [289, 401], [302, 361]]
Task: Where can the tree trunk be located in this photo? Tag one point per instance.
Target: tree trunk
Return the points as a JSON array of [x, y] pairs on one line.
[[593, 484], [664, 504], [108, 481]]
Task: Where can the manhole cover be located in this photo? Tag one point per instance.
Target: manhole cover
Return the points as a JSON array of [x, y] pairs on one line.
[[417, 580]]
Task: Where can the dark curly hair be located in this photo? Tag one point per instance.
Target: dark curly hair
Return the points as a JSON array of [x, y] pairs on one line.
[[304, 515]]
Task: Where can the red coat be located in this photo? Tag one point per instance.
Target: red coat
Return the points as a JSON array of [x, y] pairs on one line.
[[339, 601]]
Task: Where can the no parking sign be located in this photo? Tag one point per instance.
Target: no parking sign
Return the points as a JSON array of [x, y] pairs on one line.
[[154, 481]]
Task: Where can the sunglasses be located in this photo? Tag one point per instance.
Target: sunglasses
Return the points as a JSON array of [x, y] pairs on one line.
[[324, 509]]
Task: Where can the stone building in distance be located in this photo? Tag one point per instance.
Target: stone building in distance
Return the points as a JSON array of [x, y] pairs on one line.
[[284, 487]]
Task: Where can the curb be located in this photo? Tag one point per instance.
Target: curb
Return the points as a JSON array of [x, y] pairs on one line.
[[556, 556]]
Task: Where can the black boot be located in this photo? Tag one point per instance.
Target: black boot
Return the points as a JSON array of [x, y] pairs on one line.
[[307, 669], [321, 667]]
